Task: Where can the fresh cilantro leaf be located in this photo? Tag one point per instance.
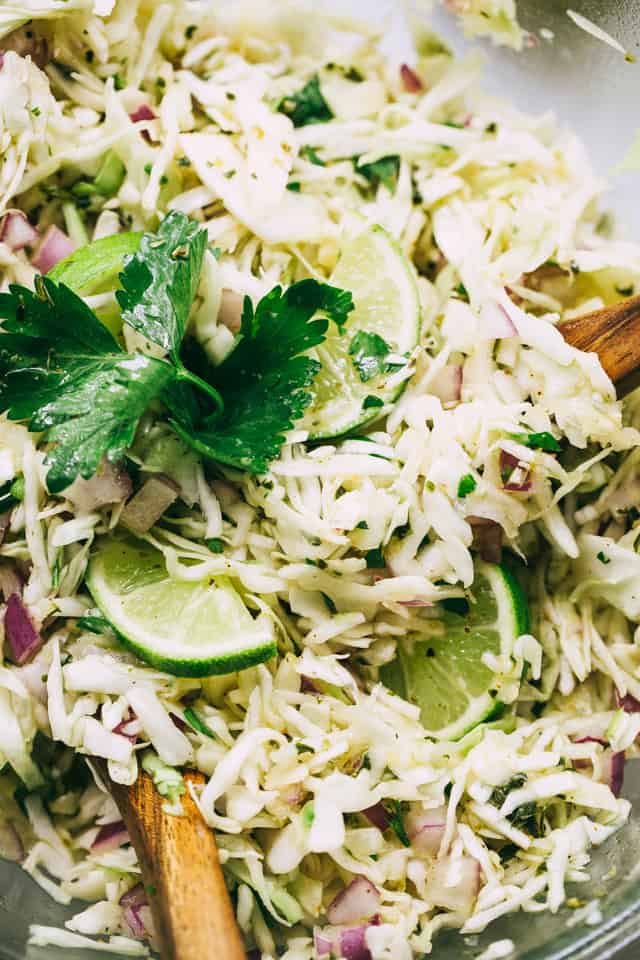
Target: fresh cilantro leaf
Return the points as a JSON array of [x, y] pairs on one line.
[[500, 794], [198, 724], [369, 352], [538, 441], [396, 821], [603, 558], [63, 372], [215, 544], [310, 154], [307, 105], [384, 171], [330, 605], [527, 817], [264, 379], [370, 402], [160, 281], [466, 485]]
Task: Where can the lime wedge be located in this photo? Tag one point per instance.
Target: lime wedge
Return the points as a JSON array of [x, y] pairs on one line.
[[445, 676], [385, 295], [186, 629]]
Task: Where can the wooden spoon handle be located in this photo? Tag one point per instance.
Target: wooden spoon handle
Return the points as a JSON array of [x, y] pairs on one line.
[[613, 333], [181, 871]]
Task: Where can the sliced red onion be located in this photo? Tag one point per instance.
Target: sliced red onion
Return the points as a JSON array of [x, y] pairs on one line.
[[143, 112], [134, 897], [410, 79], [17, 232], [612, 770], [353, 944], [321, 945], [110, 484], [516, 478], [447, 384], [591, 739], [179, 722], [377, 815], [10, 581], [23, 639], [628, 703], [149, 503], [133, 918], [110, 837], [358, 901], [487, 538], [495, 321], [308, 686], [415, 603], [426, 830], [230, 312], [459, 896], [55, 246], [10, 843]]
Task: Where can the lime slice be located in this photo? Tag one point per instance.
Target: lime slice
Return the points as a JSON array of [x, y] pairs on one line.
[[186, 629], [385, 294], [445, 676]]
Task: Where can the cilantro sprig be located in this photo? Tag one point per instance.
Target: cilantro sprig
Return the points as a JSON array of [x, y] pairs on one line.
[[65, 375]]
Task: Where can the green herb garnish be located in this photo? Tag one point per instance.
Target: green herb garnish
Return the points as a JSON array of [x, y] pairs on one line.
[[384, 171], [307, 105], [369, 352], [198, 723], [466, 485], [538, 441]]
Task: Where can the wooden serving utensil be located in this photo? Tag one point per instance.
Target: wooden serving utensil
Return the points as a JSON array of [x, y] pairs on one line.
[[181, 872], [613, 333]]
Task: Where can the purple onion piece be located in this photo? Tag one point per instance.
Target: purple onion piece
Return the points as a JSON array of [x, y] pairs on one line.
[[16, 231], [353, 944], [134, 920], [109, 484], [410, 79], [515, 478], [612, 770], [55, 246], [321, 944], [110, 837], [147, 506], [358, 901], [22, 638], [134, 897], [628, 703]]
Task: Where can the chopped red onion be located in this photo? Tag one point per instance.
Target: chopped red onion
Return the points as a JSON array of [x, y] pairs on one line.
[[426, 830], [230, 312], [55, 246], [179, 722], [454, 884], [143, 112], [591, 739], [17, 232], [133, 919], [110, 484], [516, 478], [110, 837], [10, 843], [495, 322], [131, 729], [487, 538], [22, 637], [321, 945], [612, 770], [149, 503], [358, 901], [353, 944], [410, 79], [308, 686], [10, 580], [377, 815], [134, 897], [628, 703], [447, 384]]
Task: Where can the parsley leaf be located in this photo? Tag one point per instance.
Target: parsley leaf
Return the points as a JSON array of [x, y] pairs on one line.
[[306, 105], [310, 154], [466, 485], [160, 281], [603, 558], [384, 171], [396, 821], [63, 372], [369, 352], [538, 441], [264, 379]]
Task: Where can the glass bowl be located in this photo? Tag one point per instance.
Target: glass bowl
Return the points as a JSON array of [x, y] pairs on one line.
[[593, 90]]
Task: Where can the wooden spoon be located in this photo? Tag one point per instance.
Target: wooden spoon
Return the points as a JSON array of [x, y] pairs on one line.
[[181, 872], [613, 333]]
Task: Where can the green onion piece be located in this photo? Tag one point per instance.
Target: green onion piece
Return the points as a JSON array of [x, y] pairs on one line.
[[198, 723], [74, 225]]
